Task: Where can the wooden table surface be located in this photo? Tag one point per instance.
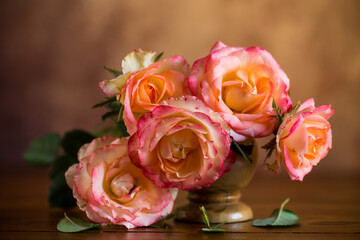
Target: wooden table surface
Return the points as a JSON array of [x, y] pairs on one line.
[[328, 205]]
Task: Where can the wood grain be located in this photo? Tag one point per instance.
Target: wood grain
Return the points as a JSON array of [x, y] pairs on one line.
[[327, 205]]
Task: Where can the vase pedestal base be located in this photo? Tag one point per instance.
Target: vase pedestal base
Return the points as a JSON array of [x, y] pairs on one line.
[[222, 199], [217, 212]]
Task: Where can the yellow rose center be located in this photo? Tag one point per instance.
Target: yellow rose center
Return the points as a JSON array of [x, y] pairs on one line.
[[122, 184], [151, 90], [316, 141], [179, 152], [245, 92]]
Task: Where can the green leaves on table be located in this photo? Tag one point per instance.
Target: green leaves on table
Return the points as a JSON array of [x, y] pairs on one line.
[[279, 218], [205, 218], [72, 225]]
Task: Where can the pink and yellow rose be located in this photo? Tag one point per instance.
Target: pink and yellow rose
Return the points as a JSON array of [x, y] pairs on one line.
[[303, 139], [145, 83], [240, 84], [182, 144], [110, 189]]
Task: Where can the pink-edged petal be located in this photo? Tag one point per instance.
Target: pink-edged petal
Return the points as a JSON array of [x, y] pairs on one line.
[[136, 60], [295, 173], [69, 176]]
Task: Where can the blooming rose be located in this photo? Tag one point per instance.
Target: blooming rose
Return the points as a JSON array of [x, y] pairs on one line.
[[109, 188], [240, 84], [303, 139], [182, 144], [144, 84]]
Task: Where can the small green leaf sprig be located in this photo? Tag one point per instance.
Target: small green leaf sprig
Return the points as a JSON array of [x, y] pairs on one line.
[[214, 229], [161, 223], [280, 116], [279, 218]]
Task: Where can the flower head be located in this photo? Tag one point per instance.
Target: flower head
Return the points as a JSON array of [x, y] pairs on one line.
[[181, 143], [240, 84], [145, 83], [303, 139], [110, 189]]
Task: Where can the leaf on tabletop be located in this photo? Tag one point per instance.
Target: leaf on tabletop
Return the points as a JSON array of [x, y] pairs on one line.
[[114, 72], [43, 151], [74, 139], [214, 229], [161, 223], [279, 218], [71, 225], [204, 216]]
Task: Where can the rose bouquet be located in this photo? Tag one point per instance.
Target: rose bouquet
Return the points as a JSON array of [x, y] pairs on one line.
[[174, 128]]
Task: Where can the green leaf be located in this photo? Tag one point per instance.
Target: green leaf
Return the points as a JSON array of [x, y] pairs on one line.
[[213, 230], [109, 114], [43, 151], [121, 112], [271, 144], [123, 129], [161, 223], [62, 164], [277, 111], [279, 218], [114, 72], [269, 147], [294, 109], [239, 149], [219, 225], [71, 225], [60, 194], [204, 216], [103, 103], [74, 139], [115, 106], [157, 58]]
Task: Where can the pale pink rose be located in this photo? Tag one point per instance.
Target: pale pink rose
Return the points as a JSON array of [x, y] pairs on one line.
[[145, 84], [182, 144], [110, 189], [303, 139], [241, 83]]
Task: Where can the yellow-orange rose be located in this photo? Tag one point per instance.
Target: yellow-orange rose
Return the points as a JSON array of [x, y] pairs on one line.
[[303, 139], [110, 189], [183, 144], [145, 83], [240, 84]]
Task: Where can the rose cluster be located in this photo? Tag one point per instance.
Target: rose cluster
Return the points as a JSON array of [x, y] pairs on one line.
[[182, 122]]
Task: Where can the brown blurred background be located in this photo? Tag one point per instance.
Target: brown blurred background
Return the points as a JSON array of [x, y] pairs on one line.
[[52, 55]]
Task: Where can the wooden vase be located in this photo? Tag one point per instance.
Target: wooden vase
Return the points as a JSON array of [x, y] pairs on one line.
[[222, 199]]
